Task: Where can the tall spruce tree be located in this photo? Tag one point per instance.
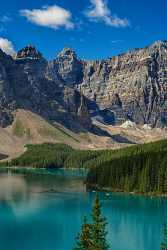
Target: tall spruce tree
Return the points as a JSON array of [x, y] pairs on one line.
[[93, 236], [98, 228]]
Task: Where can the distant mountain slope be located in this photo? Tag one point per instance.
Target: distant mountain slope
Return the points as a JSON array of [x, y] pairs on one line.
[[79, 102], [25, 83], [30, 128], [70, 91], [128, 86]]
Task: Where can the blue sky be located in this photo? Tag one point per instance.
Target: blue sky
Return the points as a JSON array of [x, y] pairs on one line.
[[95, 29]]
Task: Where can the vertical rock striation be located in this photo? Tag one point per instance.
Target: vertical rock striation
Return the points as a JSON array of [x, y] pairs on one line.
[[71, 91]]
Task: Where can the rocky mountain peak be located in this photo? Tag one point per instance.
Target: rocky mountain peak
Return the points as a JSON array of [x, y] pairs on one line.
[[159, 43], [68, 67], [67, 53], [4, 56], [1, 53], [128, 86], [29, 52], [158, 46]]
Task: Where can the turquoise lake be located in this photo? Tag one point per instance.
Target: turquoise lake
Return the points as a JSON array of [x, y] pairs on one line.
[[44, 211]]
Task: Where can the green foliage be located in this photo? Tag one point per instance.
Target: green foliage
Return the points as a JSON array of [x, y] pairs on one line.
[[141, 168], [84, 241], [98, 228], [80, 158], [164, 244], [43, 155], [53, 155], [93, 236]]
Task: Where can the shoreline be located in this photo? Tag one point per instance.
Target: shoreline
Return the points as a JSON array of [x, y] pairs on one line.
[[89, 187], [132, 193]]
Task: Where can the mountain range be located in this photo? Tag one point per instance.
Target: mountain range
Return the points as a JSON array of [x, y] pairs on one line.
[[100, 99]]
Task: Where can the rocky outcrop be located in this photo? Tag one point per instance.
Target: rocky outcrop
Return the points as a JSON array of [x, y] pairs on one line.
[[26, 83], [7, 104], [67, 67], [83, 112], [131, 86], [29, 52]]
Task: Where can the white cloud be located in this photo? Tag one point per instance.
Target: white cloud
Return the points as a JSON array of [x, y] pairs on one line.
[[99, 11], [5, 19], [3, 22], [51, 16], [7, 46]]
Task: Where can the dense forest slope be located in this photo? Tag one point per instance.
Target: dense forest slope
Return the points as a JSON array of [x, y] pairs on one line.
[[50, 155], [140, 168]]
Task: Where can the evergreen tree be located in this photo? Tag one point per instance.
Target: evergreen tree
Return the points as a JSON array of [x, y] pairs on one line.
[[93, 236], [84, 241], [98, 228], [164, 244]]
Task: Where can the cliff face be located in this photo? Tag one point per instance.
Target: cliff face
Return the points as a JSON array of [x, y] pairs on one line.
[[129, 86], [25, 82], [132, 85], [68, 90]]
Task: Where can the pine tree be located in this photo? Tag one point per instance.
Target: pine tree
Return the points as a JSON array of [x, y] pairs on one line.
[[164, 244], [84, 241], [98, 228], [93, 236]]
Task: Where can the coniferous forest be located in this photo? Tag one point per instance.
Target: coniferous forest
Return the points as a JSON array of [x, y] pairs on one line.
[[50, 155], [139, 168]]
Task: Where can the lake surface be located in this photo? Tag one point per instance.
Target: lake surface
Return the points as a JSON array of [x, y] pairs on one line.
[[44, 211]]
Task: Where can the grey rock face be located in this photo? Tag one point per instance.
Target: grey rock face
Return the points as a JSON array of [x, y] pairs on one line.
[[68, 90], [68, 67], [25, 82], [7, 103], [29, 52], [132, 85]]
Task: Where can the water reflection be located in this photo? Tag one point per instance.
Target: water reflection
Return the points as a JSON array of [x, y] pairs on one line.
[[24, 194], [12, 188], [45, 211], [16, 195]]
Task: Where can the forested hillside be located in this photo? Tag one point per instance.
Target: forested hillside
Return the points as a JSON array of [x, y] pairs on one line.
[[140, 168], [50, 155]]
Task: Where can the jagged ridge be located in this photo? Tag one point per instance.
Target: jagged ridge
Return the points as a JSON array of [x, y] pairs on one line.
[[129, 86]]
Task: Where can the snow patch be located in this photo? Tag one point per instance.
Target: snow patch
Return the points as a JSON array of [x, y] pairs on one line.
[[147, 127], [128, 124]]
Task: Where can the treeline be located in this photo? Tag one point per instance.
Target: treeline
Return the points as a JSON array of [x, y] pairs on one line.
[[50, 155], [141, 168], [43, 156]]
